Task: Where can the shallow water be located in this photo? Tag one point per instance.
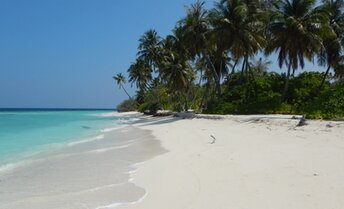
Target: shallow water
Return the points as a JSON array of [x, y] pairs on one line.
[[24, 132]]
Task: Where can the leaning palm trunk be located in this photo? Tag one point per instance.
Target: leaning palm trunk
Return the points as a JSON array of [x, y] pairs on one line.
[[247, 67], [286, 85], [243, 68], [233, 68], [216, 76], [126, 91], [324, 79]]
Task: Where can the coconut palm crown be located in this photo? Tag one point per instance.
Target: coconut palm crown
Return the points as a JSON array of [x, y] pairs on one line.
[[120, 80], [296, 32], [239, 27], [149, 48], [140, 74]]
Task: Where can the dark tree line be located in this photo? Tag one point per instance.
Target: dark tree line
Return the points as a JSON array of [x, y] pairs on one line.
[[213, 52]]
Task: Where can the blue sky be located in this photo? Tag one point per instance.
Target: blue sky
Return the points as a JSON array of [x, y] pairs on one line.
[[63, 53]]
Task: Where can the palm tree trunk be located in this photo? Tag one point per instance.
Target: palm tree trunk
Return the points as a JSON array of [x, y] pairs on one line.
[[199, 84], [247, 67], [233, 68], [216, 76], [220, 71], [204, 96], [126, 91], [324, 79], [286, 85], [186, 103], [243, 68], [248, 70], [200, 78]]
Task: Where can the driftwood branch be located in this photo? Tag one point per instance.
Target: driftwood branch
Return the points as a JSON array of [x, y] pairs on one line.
[[214, 139], [302, 121]]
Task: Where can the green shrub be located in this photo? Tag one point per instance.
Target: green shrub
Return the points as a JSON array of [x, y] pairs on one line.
[[329, 104], [258, 94], [303, 89], [127, 105], [261, 94], [149, 107]]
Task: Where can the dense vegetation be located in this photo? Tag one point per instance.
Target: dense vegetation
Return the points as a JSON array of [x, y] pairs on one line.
[[209, 62]]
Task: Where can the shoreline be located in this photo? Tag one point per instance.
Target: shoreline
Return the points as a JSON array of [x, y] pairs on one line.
[[87, 174]]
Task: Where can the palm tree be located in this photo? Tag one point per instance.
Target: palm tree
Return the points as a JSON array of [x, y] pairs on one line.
[[120, 80], [149, 48], [194, 33], [172, 44], [335, 8], [295, 32], [330, 55], [239, 26], [140, 73], [178, 74], [193, 30], [339, 69]]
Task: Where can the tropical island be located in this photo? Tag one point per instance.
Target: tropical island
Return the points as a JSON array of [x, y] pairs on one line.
[[239, 69], [214, 60]]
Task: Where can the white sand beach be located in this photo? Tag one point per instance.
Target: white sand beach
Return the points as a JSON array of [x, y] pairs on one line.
[[254, 162], [246, 162]]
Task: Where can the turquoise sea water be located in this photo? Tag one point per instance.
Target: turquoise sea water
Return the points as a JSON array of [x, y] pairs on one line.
[[24, 132]]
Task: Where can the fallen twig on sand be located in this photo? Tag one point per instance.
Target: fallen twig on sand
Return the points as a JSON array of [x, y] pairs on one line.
[[214, 139]]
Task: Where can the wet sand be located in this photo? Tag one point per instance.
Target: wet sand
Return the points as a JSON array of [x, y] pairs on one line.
[[88, 175]]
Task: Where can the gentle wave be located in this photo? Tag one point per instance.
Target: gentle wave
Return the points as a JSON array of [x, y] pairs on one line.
[[109, 149], [106, 130], [9, 167], [103, 187], [116, 204], [86, 140], [110, 114]]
